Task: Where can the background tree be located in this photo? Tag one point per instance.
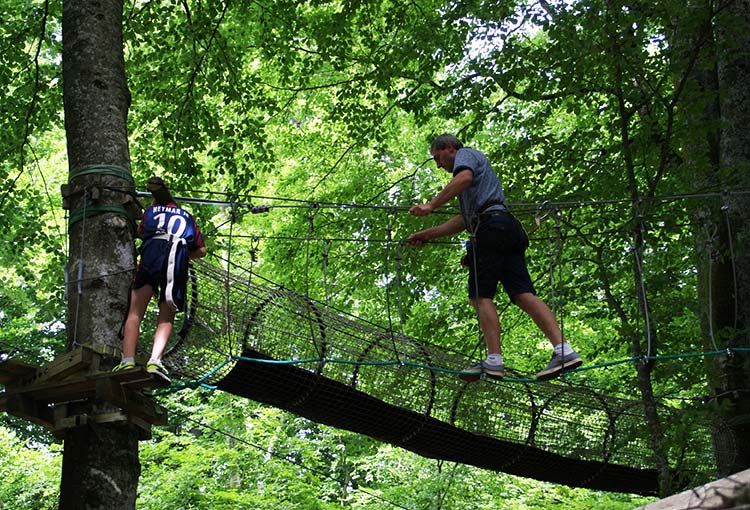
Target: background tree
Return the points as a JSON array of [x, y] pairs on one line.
[[708, 43]]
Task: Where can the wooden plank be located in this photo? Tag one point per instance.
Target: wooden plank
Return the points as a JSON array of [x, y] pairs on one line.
[[15, 373], [62, 366], [713, 495], [45, 399], [144, 428], [64, 421], [66, 364], [137, 378], [18, 373], [55, 391], [136, 404], [79, 420], [69, 422], [105, 351], [12, 370], [30, 410]]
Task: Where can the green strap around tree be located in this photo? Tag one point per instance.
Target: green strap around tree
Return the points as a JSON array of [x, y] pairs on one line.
[[114, 170], [86, 212]]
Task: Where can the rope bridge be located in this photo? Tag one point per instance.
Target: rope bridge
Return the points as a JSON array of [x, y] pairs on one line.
[[281, 348]]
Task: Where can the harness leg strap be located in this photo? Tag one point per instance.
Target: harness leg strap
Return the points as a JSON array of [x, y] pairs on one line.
[[174, 244]]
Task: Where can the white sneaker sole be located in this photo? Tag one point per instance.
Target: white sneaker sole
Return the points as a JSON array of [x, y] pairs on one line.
[[549, 373], [160, 375]]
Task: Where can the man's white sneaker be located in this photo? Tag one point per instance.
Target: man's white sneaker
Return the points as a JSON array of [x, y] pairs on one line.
[[560, 363]]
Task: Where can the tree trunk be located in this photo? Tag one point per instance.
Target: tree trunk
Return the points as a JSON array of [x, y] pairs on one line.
[[100, 461], [645, 383], [733, 66], [710, 44]]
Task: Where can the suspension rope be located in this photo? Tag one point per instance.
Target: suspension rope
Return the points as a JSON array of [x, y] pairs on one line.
[[398, 297], [555, 257], [233, 218], [190, 310], [113, 170], [310, 226], [710, 238], [387, 276], [517, 206], [253, 259], [730, 241], [482, 342], [326, 249], [100, 170], [642, 291], [79, 286]]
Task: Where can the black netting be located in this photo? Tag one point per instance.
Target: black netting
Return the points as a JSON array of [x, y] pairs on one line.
[[553, 431]]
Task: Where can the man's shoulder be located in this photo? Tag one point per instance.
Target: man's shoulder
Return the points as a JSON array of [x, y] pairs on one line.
[[466, 157], [468, 152], [471, 152]]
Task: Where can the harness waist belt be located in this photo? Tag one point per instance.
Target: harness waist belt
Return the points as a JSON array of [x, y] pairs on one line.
[[490, 204], [493, 213], [481, 217]]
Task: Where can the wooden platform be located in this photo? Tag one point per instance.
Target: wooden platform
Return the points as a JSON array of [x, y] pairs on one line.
[[730, 492], [70, 391]]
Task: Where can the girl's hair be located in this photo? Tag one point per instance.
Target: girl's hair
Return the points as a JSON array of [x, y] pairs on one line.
[[159, 190]]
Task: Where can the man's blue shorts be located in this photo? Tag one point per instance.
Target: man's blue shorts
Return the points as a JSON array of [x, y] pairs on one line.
[[500, 245]]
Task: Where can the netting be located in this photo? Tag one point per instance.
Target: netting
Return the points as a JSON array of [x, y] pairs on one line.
[[275, 346]]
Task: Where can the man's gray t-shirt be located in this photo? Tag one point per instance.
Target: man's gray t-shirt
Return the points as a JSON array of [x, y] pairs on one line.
[[485, 192]]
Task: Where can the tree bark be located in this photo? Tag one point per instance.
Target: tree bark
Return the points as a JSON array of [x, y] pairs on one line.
[[100, 462], [733, 67], [710, 56]]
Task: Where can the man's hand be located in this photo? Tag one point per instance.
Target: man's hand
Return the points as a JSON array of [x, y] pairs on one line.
[[421, 210], [417, 239]]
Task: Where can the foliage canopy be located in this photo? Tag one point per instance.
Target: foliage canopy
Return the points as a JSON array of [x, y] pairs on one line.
[[324, 111]]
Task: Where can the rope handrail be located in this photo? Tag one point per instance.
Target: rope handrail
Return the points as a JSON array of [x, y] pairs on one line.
[[411, 364], [518, 206]]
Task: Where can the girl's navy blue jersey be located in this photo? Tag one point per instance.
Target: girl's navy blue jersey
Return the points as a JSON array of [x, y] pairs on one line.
[[172, 220], [169, 233]]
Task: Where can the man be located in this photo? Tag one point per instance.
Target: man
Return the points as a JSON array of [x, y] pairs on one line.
[[496, 254], [170, 238]]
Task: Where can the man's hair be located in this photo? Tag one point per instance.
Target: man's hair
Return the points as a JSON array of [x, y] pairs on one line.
[[440, 142]]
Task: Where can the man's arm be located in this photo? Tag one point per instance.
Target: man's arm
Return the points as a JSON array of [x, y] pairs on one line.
[[449, 228], [460, 182]]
